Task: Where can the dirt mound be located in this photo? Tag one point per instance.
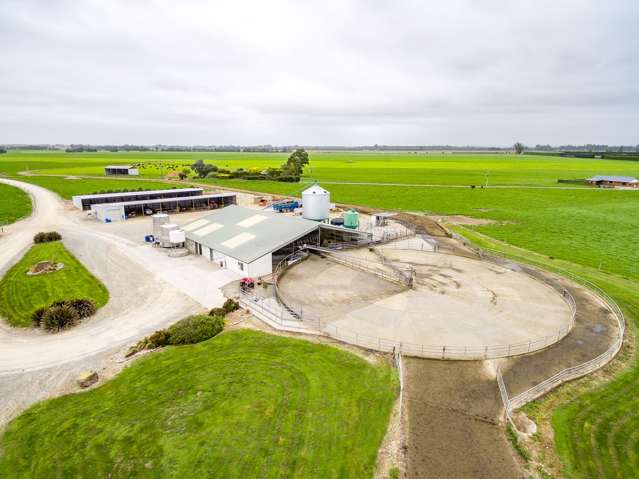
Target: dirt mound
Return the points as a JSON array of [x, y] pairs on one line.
[[463, 220]]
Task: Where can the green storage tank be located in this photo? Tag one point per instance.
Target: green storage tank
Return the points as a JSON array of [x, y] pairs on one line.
[[351, 219]]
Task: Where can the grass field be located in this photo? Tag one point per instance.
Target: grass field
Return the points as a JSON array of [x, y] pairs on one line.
[[405, 168], [15, 204], [66, 188], [20, 294], [589, 230], [243, 404]]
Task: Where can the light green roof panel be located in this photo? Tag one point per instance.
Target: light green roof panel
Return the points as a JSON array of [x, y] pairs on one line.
[[247, 234]]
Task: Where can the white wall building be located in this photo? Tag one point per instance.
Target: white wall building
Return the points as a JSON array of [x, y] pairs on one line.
[[246, 241]]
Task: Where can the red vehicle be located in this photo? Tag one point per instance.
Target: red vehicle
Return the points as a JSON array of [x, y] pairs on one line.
[[247, 283]]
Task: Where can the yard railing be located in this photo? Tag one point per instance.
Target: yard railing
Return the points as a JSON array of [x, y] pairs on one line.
[[298, 318], [377, 268], [573, 372], [582, 369], [277, 313]]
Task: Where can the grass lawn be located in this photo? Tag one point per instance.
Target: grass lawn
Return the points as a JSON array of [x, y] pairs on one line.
[[15, 204], [20, 294], [243, 404]]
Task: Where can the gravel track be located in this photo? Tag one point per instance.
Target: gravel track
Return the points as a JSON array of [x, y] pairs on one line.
[[140, 303]]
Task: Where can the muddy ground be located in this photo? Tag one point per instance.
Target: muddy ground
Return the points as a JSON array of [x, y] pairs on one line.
[[452, 418]]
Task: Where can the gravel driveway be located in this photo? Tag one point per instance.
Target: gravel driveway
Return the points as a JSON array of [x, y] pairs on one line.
[[141, 301]]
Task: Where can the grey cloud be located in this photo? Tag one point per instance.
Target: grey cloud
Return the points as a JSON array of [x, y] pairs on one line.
[[327, 72]]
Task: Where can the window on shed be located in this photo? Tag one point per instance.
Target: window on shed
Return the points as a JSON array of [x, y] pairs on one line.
[[240, 265]]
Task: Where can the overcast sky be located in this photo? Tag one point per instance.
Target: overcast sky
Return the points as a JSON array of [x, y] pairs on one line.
[[483, 72]]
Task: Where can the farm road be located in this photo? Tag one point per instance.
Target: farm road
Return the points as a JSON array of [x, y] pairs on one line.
[[140, 303], [425, 185]]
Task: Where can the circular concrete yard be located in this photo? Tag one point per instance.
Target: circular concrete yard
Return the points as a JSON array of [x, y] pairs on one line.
[[459, 308]]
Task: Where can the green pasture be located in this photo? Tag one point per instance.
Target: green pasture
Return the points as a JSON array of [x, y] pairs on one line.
[[20, 294], [243, 404], [67, 187], [377, 167], [14, 204]]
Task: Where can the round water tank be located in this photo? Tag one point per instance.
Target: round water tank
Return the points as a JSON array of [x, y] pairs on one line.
[[159, 219], [351, 219], [177, 236], [165, 231], [316, 203]]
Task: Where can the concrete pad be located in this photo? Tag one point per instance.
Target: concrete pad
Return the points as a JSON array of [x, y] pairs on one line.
[[463, 304]]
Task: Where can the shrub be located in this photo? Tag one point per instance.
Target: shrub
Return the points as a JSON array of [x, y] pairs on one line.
[[57, 318], [60, 302], [221, 312], [288, 178], [194, 329], [36, 317], [47, 237], [85, 307], [156, 340], [230, 305]]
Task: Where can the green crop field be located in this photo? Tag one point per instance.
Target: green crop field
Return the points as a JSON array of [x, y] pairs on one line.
[[243, 404], [20, 294], [15, 204], [592, 231]]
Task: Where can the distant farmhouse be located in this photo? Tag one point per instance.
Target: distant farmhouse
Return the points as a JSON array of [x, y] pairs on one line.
[[119, 170], [614, 181]]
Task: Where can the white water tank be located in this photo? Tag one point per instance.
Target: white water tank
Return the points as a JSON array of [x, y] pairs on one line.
[[165, 233], [316, 203], [177, 237], [159, 219]]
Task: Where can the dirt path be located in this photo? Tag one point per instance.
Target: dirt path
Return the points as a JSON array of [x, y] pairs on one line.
[[452, 410]]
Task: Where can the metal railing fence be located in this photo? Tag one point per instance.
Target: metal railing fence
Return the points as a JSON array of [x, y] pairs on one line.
[[573, 372]]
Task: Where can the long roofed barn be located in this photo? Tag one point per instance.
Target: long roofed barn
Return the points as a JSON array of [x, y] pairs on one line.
[[247, 241]]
